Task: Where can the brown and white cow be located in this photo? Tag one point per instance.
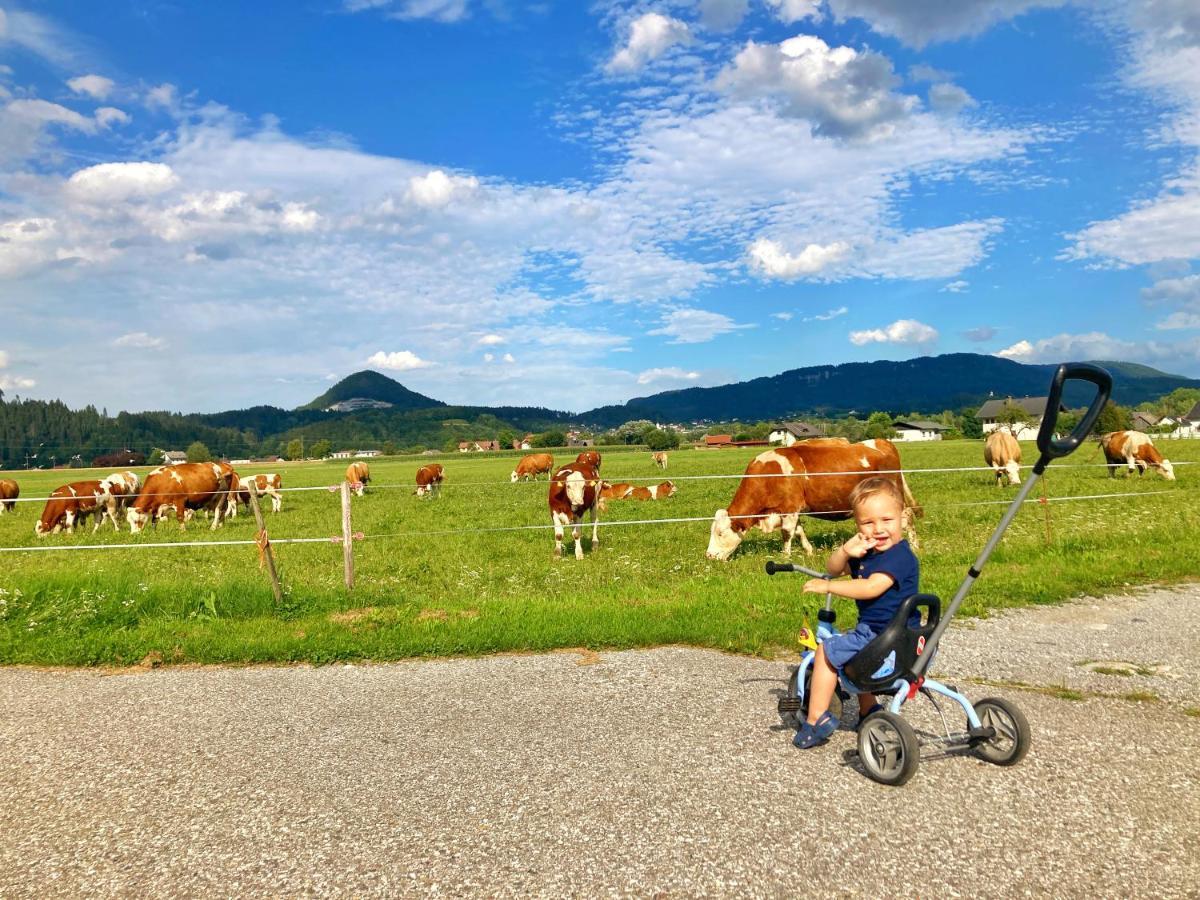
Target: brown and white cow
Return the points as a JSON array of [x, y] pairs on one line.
[[574, 490], [69, 505], [653, 492], [1136, 451], [187, 486], [116, 493], [359, 476], [9, 492], [531, 466], [618, 491], [660, 458], [778, 502], [1002, 452], [429, 480], [589, 458], [268, 484]]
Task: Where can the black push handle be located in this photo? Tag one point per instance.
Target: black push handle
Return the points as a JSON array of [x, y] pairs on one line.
[[773, 567], [1052, 449]]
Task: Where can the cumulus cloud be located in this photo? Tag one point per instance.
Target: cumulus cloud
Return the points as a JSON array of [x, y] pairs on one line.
[[669, 373], [120, 182], [1092, 345], [1178, 321], [96, 86], [770, 258], [949, 99], [437, 10], [1184, 290], [980, 334], [956, 287], [843, 92], [140, 340], [902, 331], [695, 326], [508, 358], [921, 22], [490, 340], [9, 381], [436, 188], [789, 11], [108, 116], [397, 361], [650, 36]]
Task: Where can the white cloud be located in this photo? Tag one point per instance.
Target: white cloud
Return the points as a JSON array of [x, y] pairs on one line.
[[1184, 290], [9, 382], [695, 326], [40, 36], [902, 331], [436, 188], [956, 287], [650, 36], [1179, 320], [46, 113], [398, 361], [826, 316], [772, 260], [949, 99], [508, 358], [437, 10], [107, 116], [785, 316], [789, 11], [165, 95], [669, 373], [96, 86], [980, 334], [1167, 227], [120, 182], [842, 91], [490, 340], [1092, 345], [140, 340], [921, 22]]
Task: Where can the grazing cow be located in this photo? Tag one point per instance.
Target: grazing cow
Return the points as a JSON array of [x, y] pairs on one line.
[[116, 493], [1002, 452], [589, 458], [778, 502], [359, 475], [9, 492], [187, 486], [429, 480], [1135, 451], [532, 466], [70, 504], [574, 490], [660, 458], [267, 484], [618, 491], [653, 492]]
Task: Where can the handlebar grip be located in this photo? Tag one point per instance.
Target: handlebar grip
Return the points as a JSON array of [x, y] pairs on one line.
[[1052, 449], [772, 567]]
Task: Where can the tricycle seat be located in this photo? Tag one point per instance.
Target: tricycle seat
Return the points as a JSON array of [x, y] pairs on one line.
[[892, 653]]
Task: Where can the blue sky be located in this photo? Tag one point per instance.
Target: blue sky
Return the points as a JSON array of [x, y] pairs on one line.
[[211, 206]]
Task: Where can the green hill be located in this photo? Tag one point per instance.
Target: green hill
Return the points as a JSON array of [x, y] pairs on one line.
[[370, 385]]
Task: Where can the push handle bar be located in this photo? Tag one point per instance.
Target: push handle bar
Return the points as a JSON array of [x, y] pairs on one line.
[[1052, 449], [773, 567]]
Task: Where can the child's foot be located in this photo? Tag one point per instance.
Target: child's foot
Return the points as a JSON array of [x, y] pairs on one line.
[[814, 734], [862, 716]]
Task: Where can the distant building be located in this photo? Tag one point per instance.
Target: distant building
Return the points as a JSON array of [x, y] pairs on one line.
[[1144, 421], [580, 442], [477, 446], [1035, 407], [717, 440], [525, 443], [918, 430], [367, 454], [341, 454], [356, 403], [790, 432], [174, 457]]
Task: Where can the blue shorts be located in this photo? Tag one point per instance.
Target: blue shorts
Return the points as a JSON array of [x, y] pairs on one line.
[[840, 650]]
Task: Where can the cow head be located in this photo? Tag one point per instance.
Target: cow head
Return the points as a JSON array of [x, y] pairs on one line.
[[513, 476], [1013, 468], [137, 519], [1168, 470], [722, 539], [666, 489], [40, 528]]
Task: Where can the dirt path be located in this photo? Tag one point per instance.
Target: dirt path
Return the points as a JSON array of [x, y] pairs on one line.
[[644, 772]]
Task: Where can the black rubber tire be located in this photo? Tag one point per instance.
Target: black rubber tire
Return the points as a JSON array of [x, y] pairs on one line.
[[888, 748], [1013, 735], [794, 719]]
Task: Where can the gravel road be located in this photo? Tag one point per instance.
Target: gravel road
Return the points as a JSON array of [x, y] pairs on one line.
[[659, 772]]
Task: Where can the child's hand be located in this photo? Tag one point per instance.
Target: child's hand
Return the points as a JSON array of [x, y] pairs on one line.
[[817, 586], [857, 546]]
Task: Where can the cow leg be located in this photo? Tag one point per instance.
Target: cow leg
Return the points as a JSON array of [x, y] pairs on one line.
[[276, 502], [909, 531], [577, 534], [559, 520], [790, 526]]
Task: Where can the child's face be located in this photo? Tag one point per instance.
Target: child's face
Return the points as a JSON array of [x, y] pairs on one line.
[[880, 521]]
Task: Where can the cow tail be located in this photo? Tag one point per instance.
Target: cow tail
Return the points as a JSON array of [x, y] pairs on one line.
[[909, 499]]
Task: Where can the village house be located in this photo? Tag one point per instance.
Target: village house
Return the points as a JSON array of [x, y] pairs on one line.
[[341, 454], [477, 446], [790, 432], [367, 454], [525, 443], [1144, 421], [174, 457], [577, 441], [918, 430], [1034, 407]]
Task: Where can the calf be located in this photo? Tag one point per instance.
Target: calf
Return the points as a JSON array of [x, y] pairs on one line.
[[618, 491], [532, 466], [268, 484], [116, 493], [653, 492], [359, 475], [70, 504], [9, 492], [660, 458], [1136, 451], [1002, 452], [574, 490], [429, 480]]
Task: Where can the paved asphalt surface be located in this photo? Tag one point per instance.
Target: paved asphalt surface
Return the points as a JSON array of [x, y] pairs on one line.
[[660, 772]]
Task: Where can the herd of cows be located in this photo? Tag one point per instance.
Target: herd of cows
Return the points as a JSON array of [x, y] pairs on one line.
[[812, 477]]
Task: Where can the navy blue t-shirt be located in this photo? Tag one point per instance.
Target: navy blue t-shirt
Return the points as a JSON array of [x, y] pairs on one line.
[[899, 562]]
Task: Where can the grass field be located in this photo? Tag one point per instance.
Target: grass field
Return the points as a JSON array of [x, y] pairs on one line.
[[431, 580]]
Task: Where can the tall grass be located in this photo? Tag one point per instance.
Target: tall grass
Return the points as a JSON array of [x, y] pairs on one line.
[[431, 579]]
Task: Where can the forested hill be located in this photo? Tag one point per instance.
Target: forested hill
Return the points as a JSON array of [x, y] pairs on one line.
[[373, 386], [928, 383]]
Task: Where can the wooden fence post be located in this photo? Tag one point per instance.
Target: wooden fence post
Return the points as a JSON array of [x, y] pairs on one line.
[[347, 537], [264, 546]]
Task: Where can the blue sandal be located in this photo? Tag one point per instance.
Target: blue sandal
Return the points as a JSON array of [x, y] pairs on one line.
[[814, 734]]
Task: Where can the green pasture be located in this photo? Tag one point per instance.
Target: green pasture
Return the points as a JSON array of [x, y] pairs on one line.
[[431, 579]]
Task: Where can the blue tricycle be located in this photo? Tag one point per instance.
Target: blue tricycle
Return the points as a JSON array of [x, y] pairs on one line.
[[895, 660]]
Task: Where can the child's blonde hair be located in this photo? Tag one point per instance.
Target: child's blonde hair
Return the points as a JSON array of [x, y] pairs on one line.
[[869, 487]]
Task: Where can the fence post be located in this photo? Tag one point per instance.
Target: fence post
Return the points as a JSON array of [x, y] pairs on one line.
[[264, 545], [347, 537]]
